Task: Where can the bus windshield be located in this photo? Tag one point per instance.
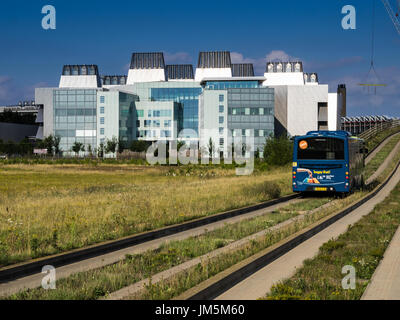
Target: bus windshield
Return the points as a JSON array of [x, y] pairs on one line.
[[320, 148]]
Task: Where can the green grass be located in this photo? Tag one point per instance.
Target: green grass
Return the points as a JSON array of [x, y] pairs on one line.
[[380, 157], [203, 271], [362, 246], [374, 141], [96, 283]]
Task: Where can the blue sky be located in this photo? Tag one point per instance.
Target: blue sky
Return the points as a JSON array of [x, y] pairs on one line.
[[107, 32]]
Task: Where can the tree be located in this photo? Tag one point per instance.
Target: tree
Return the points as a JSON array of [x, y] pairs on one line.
[[139, 146], [48, 143], [56, 144], [89, 149], [77, 147], [211, 147], [100, 150], [111, 145], [180, 144], [121, 146], [278, 151]]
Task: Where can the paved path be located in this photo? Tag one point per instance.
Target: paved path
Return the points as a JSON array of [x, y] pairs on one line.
[[260, 283], [385, 282], [35, 280]]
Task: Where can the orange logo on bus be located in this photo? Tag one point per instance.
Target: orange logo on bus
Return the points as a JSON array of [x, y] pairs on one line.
[[303, 144]]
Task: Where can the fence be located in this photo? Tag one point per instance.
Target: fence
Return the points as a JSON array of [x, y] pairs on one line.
[[379, 128]]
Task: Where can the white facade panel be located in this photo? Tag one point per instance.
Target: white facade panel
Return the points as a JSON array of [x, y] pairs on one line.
[[45, 96], [110, 125], [202, 73], [209, 119], [167, 113], [145, 75], [80, 81], [302, 102], [283, 79], [333, 123]]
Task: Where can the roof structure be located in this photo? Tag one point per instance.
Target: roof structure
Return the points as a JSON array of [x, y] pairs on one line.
[[147, 60], [179, 71], [214, 59], [242, 70]]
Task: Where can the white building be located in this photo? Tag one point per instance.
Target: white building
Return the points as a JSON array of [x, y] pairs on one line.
[[146, 103]]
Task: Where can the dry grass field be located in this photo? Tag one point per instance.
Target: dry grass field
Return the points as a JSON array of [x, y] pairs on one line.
[[46, 209]]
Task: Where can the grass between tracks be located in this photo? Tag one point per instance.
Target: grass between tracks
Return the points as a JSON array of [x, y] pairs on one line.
[[362, 246], [97, 283], [373, 142], [380, 157], [47, 209], [183, 282]]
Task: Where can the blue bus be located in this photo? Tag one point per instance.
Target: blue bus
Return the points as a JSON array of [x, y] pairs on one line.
[[331, 161]]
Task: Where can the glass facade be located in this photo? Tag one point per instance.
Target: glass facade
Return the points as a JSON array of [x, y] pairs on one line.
[[223, 85], [75, 117], [126, 117], [187, 97], [252, 109]]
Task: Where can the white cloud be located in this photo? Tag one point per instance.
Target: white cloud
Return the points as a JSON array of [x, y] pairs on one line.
[[372, 100], [278, 55], [260, 63]]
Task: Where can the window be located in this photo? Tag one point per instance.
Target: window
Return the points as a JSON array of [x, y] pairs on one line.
[[221, 130], [221, 109], [102, 110], [221, 141], [140, 113], [261, 133], [101, 130], [221, 119], [102, 120], [102, 140], [165, 113], [156, 123], [221, 98], [149, 113], [261, 111], [247, 111], [254, 111], [147, 123], [156, 113], [165, 133], [321, 149], [102, 99], [167, 123]]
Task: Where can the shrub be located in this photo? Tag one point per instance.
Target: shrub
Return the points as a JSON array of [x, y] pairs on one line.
[[278, 151]]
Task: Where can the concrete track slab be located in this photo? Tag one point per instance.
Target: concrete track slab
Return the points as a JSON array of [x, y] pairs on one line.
[[35, 280], [385, 282], [260, 283]]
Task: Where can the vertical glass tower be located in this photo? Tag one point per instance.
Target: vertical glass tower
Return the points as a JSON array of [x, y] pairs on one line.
[[75, 117]]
